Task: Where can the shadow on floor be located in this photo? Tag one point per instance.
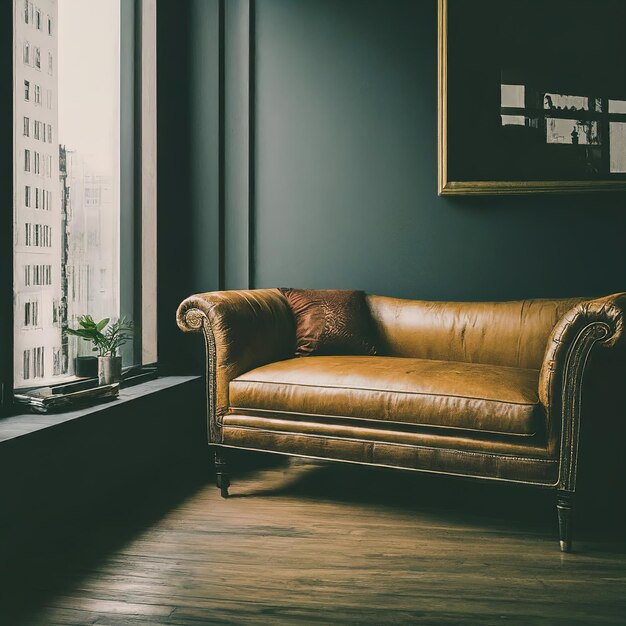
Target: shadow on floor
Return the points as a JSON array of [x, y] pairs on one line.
[[28, 582], [599, 515]]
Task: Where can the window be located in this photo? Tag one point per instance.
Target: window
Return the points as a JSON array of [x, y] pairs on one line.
[[57, 362], [37, 275], [78, 257], [26, 53], [31, 313], [56, 312], [26, 365], [38, 362]]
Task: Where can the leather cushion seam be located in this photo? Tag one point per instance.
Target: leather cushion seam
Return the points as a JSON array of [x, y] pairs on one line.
[[405, 445], [380, 421], [414, 393]]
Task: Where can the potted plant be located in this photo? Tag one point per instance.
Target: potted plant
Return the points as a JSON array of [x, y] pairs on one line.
[[107, 339]]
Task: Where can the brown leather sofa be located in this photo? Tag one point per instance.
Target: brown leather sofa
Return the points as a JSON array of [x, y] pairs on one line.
[[485, 390]]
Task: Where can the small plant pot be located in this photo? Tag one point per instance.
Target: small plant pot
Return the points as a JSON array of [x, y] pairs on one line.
[[86, 366], [109, 369]]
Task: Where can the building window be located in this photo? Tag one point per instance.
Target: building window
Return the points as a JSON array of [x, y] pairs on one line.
[[36, 197], [49, 133], [36, 162], [26, 90], [49, 25], [48, 98], [38, 19], [38, 58], [27, 190], [56, 311], [57, 361], [36, 126], [38, 362], [50, 63], [37, 94], [26, 160], [39, 275], [26, 3], [26, 365], [31, 313], [26, 131], [26, 53]]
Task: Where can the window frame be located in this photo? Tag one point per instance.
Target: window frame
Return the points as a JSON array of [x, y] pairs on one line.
[[138, 67]]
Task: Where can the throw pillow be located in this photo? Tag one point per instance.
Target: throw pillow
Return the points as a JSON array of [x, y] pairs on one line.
[[331, 322]]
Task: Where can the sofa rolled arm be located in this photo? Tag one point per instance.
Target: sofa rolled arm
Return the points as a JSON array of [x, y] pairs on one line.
[[242, 330], [590, 323]]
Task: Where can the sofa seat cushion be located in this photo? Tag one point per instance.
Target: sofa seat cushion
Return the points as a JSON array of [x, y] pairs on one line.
[[417, 392]]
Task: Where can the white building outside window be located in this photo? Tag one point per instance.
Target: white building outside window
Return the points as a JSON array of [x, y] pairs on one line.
[[71, 259]]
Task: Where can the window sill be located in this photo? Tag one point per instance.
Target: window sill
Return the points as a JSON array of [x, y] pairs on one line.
[[24, 424]]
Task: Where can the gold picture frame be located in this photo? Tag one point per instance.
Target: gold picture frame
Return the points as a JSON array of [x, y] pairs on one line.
[[447, 185]]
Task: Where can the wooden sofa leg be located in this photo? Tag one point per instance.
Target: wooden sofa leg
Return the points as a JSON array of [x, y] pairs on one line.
[[564, 505], [221, 473]]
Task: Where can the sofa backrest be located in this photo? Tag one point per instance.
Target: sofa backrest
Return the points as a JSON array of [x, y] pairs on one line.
[[514, 333]]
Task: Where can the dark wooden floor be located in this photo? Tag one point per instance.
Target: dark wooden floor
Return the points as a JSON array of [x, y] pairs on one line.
[[307, 543]]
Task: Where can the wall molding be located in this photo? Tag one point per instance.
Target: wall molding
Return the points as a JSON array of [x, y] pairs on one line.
[[237, 149]]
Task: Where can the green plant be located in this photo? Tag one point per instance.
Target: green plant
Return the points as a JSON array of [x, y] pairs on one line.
[[106, 341]]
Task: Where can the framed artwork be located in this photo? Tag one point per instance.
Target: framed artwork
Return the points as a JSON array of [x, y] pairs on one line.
[[532, 96]]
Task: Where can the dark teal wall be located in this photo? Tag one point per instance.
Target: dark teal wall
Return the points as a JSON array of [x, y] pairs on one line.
[[342, 150], [347, 166]]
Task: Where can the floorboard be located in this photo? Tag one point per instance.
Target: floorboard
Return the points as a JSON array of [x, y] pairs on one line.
[[309, 543]]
